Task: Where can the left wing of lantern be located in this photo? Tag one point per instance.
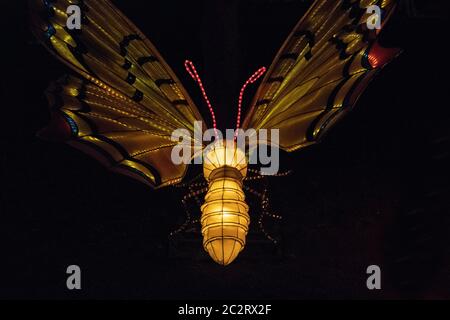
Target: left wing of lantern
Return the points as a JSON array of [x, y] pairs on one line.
[[116, 131], [125, 101], [320, 71]]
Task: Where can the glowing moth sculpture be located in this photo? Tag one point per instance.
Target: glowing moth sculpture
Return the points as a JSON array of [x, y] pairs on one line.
[[124, 102]]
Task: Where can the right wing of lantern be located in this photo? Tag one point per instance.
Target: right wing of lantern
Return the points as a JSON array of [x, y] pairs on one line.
[[125, 102], [320, 71]]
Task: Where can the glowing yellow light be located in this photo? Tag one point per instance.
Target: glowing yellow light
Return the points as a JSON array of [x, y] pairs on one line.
[[225, 219]]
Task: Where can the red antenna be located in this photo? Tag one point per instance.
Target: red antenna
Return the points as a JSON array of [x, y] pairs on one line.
[[190, 68], [258, 74]]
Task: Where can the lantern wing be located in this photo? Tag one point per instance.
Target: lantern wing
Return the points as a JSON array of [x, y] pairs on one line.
[[320, 71], [125, 102]]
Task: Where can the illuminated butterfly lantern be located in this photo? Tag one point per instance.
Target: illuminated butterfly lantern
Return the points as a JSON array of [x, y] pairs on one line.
[[125, 102]]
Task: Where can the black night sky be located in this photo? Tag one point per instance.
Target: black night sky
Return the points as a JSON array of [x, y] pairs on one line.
[[375, 191]]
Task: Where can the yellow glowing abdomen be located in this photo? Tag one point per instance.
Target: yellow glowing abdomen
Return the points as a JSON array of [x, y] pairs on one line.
[[225, 219]]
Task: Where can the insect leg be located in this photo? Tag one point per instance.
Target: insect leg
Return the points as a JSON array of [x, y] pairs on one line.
[[190, 183], [258, 176], [190, 195], [264, 210], [204, 186]]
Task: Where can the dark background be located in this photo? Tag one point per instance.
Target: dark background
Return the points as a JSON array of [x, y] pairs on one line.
[[374, 192]]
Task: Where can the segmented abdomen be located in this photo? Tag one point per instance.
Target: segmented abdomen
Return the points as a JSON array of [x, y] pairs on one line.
[[225, 219]]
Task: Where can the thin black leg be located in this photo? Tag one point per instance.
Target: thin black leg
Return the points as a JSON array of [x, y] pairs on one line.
[[192, 194], [264, 201]]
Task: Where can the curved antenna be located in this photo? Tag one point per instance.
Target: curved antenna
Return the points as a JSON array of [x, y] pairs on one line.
[[254, 77], [190, 68]]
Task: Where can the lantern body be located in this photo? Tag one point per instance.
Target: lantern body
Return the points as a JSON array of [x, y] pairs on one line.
[[225, 219]]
